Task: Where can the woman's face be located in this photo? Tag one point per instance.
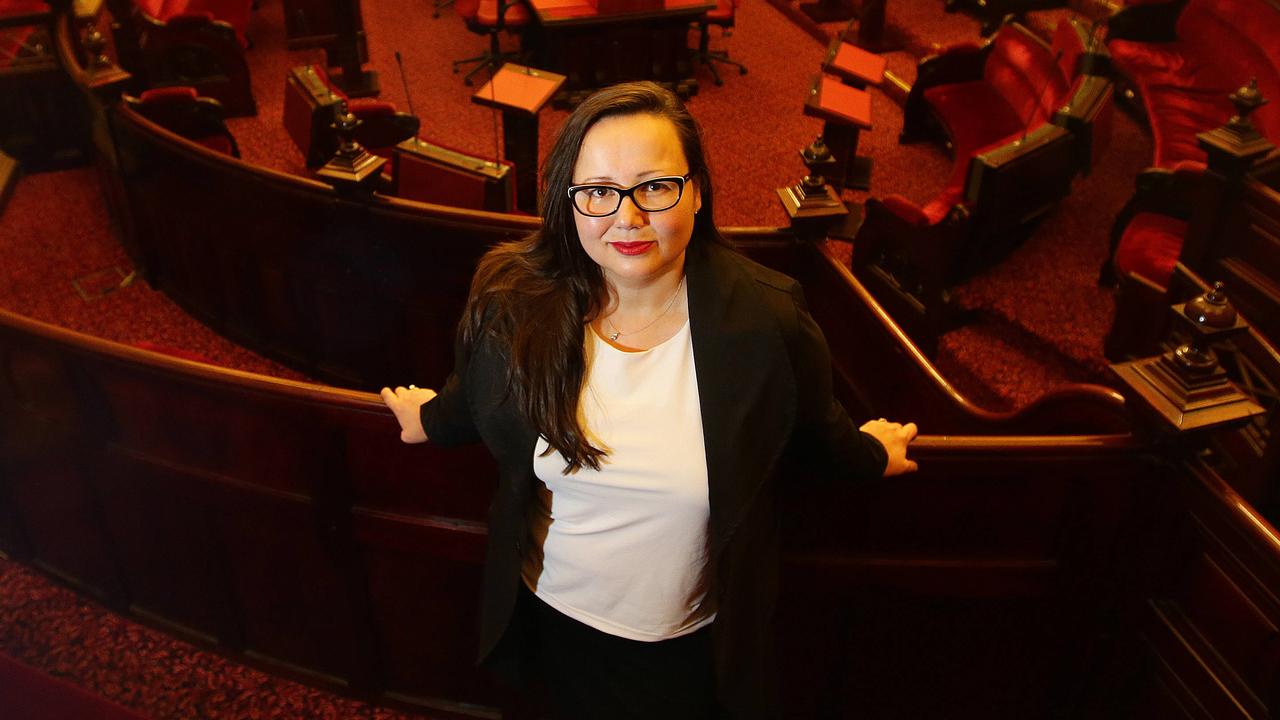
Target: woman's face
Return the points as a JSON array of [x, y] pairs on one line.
[[632, 246]]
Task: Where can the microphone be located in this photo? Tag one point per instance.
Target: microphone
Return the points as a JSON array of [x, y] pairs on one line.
[[405, 83], [1026, 125]]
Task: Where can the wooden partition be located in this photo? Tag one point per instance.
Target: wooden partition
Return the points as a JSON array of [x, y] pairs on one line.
[[281, 523], [367, 291], [285, 525], [360, 292]]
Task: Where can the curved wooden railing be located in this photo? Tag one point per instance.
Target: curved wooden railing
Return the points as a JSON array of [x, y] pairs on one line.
[[285, 525], [364, 292]]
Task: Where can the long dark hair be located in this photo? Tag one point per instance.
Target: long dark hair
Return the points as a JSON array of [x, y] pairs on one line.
[[533, 296]]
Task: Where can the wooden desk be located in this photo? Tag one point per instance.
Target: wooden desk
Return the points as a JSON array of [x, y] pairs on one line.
[[338, 27], [846, 111], [595, 46], [520, 93], [870, 15], [853, 65]]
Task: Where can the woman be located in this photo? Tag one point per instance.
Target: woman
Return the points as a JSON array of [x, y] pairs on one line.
[[637, 382]]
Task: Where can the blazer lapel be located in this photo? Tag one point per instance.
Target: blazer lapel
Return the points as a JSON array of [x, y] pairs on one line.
[[745, 387]]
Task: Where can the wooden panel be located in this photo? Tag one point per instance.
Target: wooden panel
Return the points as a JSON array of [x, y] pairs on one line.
[[357, 293], [1192, 660], [161, 530]]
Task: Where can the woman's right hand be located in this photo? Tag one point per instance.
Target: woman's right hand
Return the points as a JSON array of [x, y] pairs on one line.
[[406, 403]]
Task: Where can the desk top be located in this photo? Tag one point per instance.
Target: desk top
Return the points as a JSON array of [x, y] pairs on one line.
[[830, 99], [516, 87], [853, 63], [585, 12]]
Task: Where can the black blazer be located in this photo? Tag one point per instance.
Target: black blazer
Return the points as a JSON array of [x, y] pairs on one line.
[[764, 384]]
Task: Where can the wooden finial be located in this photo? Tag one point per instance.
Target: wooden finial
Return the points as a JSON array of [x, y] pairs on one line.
[[1187, 387], [351, 167]]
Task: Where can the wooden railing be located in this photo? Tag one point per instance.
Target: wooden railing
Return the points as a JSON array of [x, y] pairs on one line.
[[285, 525]]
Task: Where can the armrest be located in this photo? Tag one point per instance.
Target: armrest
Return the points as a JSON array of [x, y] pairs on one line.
[[1087, 117], [1021, 177], [1151, 22], [1168, 191], [1088, 98], [905, 210], [384, 128], [961, 64], [1165, 191], [28, 13]]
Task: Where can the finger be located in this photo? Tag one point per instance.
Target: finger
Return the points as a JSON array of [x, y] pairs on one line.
[[911, 431], [911, 466], [387, 395]]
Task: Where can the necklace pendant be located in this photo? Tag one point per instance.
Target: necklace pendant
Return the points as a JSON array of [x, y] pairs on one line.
[[614, 336]]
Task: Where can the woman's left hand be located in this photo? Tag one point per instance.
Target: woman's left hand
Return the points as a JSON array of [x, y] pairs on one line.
[[895, 437]]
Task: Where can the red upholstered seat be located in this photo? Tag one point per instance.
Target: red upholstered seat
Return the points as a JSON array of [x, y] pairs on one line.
[[487, 14], [1184, 82], [1021, 86], [723, 13], [181, 110], [974, 112], [12, 8], [232, 12], [1023, 119], [1150, 247], [1022, 83], [491, 18], [308, 119]]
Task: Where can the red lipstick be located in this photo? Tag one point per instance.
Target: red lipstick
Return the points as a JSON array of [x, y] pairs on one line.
[[632, 248]]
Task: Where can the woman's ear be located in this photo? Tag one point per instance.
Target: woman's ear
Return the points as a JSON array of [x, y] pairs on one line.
[[697, 198]]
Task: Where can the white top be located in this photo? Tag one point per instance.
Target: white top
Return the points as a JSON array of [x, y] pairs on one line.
[[624, 549]]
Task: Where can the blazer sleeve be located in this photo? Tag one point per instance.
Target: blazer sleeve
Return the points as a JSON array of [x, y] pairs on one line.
[[447, 418], [822, 424]]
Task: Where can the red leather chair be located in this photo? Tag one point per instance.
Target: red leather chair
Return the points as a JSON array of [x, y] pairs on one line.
[[1022, 117], [490, 17], [310, 102], [198, 43], [22, 23], [724, 17], [181, 111], [1182, 61], [232, 12]]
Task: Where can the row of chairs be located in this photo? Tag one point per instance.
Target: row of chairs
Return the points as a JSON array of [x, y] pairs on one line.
[[420, 169], [492, 18], [1022, 117]]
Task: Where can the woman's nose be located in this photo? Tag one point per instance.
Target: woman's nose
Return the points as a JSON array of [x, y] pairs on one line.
[[629, 215]]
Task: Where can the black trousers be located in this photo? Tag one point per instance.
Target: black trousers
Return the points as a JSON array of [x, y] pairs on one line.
[[592, 675]]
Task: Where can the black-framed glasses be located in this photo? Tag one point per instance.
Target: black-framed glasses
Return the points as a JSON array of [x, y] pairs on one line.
[[652, 195]]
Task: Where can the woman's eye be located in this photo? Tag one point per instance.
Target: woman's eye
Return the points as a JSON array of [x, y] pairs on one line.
[[601, 192]]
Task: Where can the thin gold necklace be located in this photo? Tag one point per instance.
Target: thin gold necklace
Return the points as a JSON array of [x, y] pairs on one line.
[[613, 337]]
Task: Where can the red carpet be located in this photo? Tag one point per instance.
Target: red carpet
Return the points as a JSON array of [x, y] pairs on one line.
[[145, 670]]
